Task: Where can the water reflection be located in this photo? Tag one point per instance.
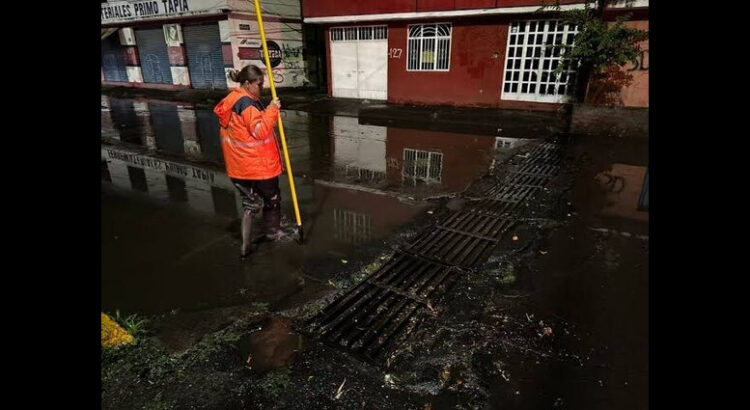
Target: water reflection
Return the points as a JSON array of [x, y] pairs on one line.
[[170, 219], [332, 148]]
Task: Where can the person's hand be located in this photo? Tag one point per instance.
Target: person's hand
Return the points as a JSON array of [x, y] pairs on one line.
[[276, 102]]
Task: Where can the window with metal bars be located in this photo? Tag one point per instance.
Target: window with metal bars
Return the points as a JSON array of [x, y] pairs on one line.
[[429, 47], [352, 227], [422, 167], [361, 174], [361, 33], [535, 49]]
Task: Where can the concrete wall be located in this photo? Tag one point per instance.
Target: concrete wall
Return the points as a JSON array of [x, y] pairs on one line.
[[624, 86], [283, 36]]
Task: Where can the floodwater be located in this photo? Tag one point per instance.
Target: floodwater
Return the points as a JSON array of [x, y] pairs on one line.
[[170, 215], [170, 241]]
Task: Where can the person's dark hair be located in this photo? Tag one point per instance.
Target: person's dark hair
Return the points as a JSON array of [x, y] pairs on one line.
[[249, 73]]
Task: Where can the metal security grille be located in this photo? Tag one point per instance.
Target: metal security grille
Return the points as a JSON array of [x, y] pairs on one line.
[[152, 49], [422, 166], [113, 60], [352, 227], [204, 56], [429, 47], [535, 49], [361, 33]]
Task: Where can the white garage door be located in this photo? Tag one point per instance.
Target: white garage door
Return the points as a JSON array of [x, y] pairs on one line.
[[359, 62]]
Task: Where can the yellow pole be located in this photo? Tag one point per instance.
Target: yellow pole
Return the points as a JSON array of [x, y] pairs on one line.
[[269, 72]]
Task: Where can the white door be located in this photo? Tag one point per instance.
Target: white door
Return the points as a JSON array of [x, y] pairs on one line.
[[344, 69], [373, 69], [359, 62]]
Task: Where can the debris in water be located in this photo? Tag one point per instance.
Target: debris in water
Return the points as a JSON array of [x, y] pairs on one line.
[[432, 309], [547, 331], [515, 237], [543, 252], [344, 261], [504, 375], [430, 212], [249, 359], [559, 402], [390, 380], [446, 373], [340, 391]]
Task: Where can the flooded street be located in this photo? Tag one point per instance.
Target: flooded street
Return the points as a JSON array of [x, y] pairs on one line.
[[170, 226], [556, 316]]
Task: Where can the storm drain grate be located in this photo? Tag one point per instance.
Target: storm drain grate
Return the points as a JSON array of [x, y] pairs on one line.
[[515, 193], [546, 158], [462, 239], [543, 149], [525, 179], [374, 317], [538, 169], [545, 154], [491, 207], [549, 145]]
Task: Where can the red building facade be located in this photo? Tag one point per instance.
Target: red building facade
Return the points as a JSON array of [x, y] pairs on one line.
[[493, 53]]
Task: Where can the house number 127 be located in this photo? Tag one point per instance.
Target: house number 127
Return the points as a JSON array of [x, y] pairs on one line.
[[395, 52]]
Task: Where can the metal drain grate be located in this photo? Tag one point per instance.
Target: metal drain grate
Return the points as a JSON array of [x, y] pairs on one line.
[[545, 157], [380, 313], [461, 240], [514, 193], [371, 319], [538, 169], [491, 207], [526, 179]]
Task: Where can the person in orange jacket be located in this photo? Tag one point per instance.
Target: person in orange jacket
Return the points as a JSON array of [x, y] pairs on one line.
[[251, 152]]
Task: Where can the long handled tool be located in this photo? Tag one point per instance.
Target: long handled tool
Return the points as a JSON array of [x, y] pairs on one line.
[[269, 71]]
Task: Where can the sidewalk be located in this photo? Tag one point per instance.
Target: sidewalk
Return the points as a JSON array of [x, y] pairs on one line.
[[578, 118]]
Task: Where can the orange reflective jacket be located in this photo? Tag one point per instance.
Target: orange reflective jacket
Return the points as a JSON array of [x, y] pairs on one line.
[[247, 136]]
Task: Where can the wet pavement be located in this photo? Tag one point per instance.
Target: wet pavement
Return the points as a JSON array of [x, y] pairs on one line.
[[555, 319]]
